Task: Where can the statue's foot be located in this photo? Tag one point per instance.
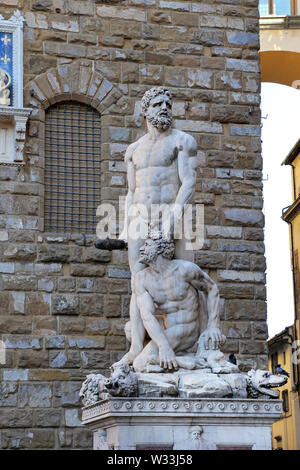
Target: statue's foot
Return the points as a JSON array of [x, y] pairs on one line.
[[186, 362], [218, 364]]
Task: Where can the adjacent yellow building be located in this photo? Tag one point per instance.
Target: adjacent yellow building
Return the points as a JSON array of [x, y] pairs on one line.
[[291, 215], [283, 348], [286, 431]]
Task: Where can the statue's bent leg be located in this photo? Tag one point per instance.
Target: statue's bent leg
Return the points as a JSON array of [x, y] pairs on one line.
[[149, 355], [137, 333], [137, 327], [180, 338]]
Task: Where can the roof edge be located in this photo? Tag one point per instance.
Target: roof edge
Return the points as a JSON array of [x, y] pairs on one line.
[[292, 154]]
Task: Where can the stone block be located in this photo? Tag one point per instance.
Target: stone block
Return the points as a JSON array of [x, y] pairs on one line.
[[249, 40], [47, 418], [72, 418], [115, 343], [71, 325], [208, 37], [241, 276], [20, 252], [228, 80], [37, 303], [151, 75], [237, 309], [253, 347], [93, 255], [234, 114], [55, 342], [22, 342], [87, 343], [64, 359], [7, 268], [210, 260], [16, 418], [216, 186], [46, 284], [39, 439], [65, 438], [66, 284], [65, 304], [121, 13], [237, 330], [126, 29], [95, 359], [87, 284], [12, 439], [66, 394], [199, 78], [32, 359], [248, 217], [4, 303], [83, 439], [35, 395], [112, 306], [84, 270], [95, 326], [91, 304], [53, 253], [259, 330], [238, 261], [175, 76], [44, 325], [8, 394]]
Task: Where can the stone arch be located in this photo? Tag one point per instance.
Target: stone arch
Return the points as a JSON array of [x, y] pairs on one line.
[[281, 67], [76, 81]]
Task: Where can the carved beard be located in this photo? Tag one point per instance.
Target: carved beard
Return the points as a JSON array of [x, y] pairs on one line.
[[146, 258], [161, 121]]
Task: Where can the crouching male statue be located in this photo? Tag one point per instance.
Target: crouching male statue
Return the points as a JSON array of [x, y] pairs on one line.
[[167, 292]]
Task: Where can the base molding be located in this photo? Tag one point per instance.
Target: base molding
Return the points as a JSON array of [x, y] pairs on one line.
[[177, 423]]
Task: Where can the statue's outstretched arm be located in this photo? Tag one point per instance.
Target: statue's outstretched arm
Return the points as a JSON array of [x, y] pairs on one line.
[[212, 335]]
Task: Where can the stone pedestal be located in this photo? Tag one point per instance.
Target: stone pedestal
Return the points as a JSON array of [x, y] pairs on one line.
[[177, 423]]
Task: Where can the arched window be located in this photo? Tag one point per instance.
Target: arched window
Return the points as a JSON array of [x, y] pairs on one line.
[[72, 168]]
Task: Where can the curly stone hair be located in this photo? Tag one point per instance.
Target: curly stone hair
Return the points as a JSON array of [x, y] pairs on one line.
[[164, 246], [153, 93]]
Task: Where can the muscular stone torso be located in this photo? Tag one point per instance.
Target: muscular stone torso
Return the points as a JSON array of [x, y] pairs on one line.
[[173, 296], [156, 172]]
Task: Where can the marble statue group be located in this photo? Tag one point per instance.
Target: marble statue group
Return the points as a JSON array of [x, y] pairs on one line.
[[174, 329]]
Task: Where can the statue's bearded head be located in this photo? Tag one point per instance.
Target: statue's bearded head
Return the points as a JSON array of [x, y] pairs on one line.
[[156, 245], [157, 107], [195, 432]]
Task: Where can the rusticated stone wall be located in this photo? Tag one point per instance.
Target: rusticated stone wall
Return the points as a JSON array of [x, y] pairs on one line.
[[63, 304]]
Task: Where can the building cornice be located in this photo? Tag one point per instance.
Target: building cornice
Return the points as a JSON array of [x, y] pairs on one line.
[[280, 22], [292, 211], [292, 154]]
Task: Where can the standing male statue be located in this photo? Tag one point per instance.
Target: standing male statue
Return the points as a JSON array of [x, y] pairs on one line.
[[161, 170]]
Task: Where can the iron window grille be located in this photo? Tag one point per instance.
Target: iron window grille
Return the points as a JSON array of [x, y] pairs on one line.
[[72, 168]]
